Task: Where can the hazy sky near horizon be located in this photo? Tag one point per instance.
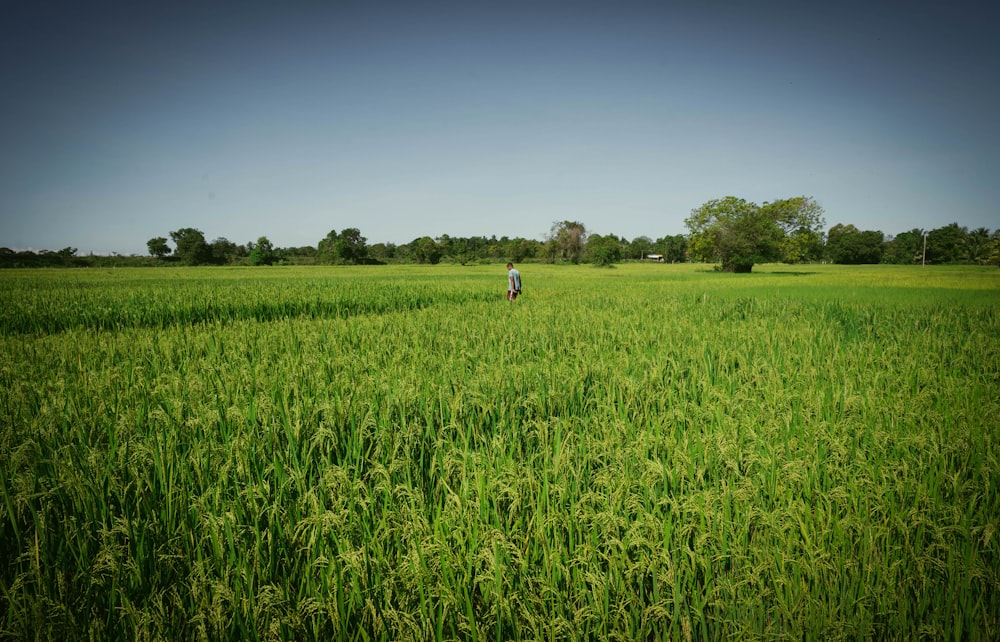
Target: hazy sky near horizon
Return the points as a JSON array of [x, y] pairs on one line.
[[120, 122]]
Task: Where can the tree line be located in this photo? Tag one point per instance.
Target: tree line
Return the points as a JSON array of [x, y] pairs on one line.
[[731, 232]]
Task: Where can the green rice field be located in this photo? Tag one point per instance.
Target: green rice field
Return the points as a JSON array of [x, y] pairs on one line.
[[648, 452]]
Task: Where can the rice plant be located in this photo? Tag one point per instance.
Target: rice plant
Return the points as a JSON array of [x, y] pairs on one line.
[[650, 452]]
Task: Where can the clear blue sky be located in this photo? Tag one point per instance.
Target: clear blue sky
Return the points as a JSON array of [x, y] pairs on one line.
[[120, 122]]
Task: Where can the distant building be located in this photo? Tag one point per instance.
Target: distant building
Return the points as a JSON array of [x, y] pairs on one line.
[[656, 257]]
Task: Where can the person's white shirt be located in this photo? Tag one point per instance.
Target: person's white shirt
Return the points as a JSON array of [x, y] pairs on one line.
[[514, 279]]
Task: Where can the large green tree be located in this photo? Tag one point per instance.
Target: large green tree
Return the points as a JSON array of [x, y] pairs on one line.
[[993, 249], [425, 250], [801, 221], [947, 244], [906, 248], [351, 246], [569, 239], [382, 252], [846, 244], [326, 249], [738, 233], [978, 245], [348, 247], [190, 246], [223, 251], [733, 232]]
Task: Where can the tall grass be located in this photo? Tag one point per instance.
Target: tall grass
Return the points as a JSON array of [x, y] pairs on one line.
[[649, 452]]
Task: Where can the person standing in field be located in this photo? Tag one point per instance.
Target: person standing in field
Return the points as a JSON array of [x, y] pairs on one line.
[[513, 282]]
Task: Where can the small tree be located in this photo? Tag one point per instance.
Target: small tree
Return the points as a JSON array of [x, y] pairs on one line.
[[158, 247], [640, 247], [550, 249], [603, 251], [673, 248], [262, 252], [425, 250]]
